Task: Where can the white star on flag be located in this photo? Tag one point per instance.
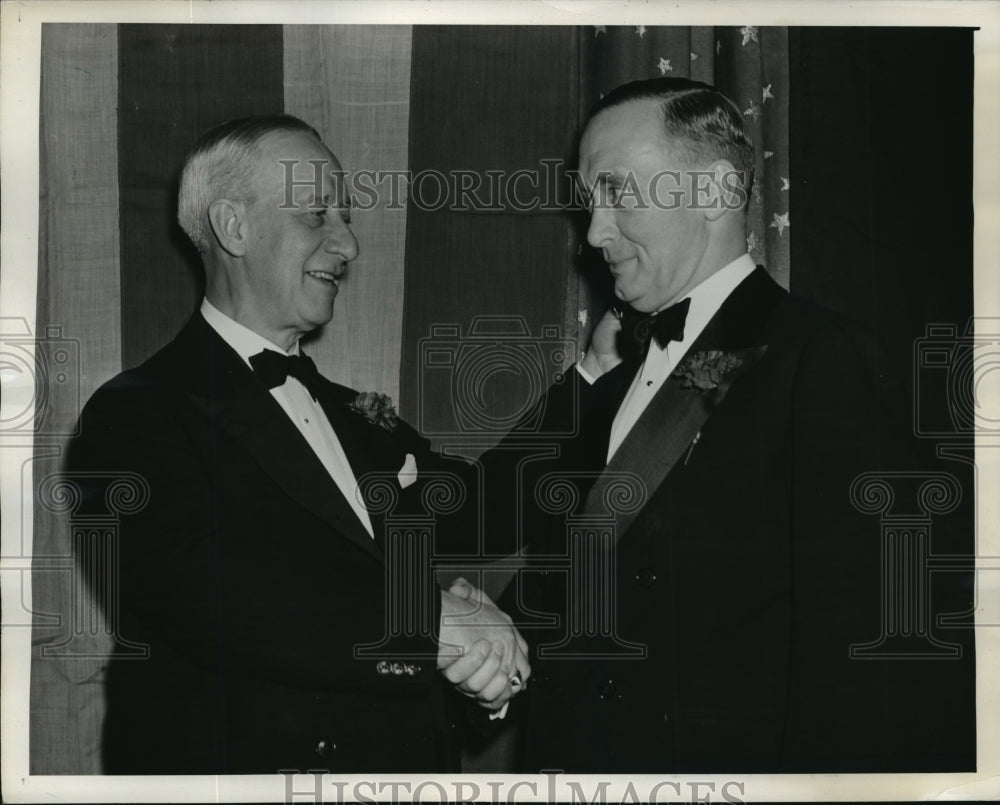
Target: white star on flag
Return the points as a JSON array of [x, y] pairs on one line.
[[600, 29], [751, 241], [785, 184], [768, 154], [664, 65], [752, 111], [749, 33], [779, 222], [718, 46], [765, 93], [581, 316], [694, 56], [641, 30]]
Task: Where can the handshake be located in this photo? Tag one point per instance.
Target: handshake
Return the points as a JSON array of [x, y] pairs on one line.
[[480, 651]]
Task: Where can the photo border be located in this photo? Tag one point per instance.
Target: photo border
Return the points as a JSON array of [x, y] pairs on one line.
[[20, 68]]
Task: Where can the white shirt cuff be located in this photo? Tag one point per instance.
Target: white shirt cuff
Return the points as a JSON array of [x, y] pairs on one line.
[[501, 713]]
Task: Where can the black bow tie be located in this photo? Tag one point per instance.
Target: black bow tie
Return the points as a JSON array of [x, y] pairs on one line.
[[665, 326], [273, 369]]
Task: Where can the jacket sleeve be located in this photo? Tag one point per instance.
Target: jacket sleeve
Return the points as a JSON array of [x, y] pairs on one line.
[[222, 577], [872, 714]]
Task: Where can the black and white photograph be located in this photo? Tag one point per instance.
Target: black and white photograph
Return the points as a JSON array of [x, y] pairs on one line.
[[589, 402]]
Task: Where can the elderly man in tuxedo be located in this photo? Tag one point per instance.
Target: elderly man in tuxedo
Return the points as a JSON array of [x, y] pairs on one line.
[[721, 422], [257, 570]]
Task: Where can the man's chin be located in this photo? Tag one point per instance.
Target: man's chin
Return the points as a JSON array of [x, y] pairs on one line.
[[623, 296], [635, 301], [318, 321]]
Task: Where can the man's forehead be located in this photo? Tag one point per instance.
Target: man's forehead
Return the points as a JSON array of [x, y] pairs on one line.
[[624, 133], [299, 164], [310, 178]]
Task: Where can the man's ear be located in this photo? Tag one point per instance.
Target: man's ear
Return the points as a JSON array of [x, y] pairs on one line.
[[725, 189], [229, 225]]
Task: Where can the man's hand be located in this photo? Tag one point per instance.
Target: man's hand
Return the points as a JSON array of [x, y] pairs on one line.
[[480, 650], [470, 592], [602, 355]]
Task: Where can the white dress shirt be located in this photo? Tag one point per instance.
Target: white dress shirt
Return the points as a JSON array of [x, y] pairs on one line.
[[295, 400], [706, 299]]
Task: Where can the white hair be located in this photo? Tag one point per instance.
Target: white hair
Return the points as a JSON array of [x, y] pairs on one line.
[[221, 165]]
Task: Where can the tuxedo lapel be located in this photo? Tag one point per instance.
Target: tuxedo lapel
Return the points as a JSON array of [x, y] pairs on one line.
[[223, 387], [675, 416], [370, 449]]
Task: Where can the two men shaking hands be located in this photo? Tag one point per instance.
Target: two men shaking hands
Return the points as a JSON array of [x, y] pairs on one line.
[[257, 568]]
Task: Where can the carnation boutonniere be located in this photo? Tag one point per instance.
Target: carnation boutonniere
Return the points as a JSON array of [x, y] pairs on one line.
[[713, 371], [705, 370], [376, 408]]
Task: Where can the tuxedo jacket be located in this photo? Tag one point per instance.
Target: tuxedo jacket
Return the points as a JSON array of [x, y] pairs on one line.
[[715, 634], [250, 580]]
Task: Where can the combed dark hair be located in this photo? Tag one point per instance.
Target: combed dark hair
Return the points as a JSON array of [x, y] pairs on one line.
[[699, 119], [221, 165]]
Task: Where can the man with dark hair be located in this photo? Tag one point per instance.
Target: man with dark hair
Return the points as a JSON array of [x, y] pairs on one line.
[[722, 423], [258, 572]]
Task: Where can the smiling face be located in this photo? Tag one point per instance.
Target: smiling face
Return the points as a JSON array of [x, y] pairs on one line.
[[298, 240], [644, 223]]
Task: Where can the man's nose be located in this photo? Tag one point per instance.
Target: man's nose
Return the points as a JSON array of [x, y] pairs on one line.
[[340, 240], [602, 229]]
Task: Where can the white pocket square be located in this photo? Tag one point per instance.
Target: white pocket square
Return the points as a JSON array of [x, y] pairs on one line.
[[408, 474]]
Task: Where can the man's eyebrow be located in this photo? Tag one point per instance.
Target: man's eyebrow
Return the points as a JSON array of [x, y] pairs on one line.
[[600, 180], [304, 196], [602, 176]]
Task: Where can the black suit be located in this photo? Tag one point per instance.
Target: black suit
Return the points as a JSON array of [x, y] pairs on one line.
[[746, 573], [251, 580]]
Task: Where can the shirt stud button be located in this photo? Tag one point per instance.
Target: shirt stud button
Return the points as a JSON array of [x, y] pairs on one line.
[[646, 577]]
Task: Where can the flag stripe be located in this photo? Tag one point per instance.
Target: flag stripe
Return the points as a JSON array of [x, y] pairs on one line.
[[175, 81], [79, 297], [352, 83], [497, 99]]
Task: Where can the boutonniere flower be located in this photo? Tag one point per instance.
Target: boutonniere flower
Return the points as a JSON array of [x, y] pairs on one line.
[[376, 408], [705, 370]]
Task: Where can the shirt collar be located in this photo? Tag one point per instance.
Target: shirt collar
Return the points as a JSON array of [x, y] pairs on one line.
[[242, 339], [707, 297]]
